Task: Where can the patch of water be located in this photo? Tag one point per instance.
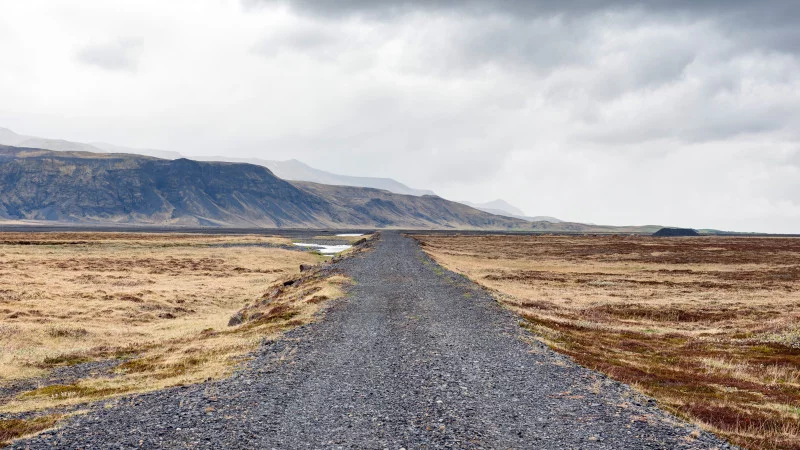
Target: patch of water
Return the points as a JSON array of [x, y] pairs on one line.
[[350, 234], [325, 249]]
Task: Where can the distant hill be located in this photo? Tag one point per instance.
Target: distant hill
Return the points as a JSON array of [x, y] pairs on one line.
[[503, 208], [500, 206], [8, 137], [295, 170], [82, 187], [385, 208], [676, 232]]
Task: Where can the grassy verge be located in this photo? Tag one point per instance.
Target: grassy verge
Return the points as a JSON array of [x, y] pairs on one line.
[[707, 326]]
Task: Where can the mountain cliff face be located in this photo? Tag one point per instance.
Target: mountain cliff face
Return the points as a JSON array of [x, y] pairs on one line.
[[83, 187], [89, 187]]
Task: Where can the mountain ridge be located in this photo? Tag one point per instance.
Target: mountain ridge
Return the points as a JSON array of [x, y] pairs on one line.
[[85, 187], [290, 169]]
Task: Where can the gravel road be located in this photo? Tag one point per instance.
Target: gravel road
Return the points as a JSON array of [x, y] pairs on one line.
[[414, 357]]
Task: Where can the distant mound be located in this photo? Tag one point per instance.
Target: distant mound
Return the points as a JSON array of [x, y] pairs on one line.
[[676, 232]]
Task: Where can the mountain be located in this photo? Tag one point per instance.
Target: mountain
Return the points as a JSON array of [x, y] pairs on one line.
[[83, 187], [503, 208], [336, 213], [288, 170], [120, 188], [386, 209], [297, 171]]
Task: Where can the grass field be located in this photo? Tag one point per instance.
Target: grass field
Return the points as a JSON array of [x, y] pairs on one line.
[[708, 326], [158, 304]]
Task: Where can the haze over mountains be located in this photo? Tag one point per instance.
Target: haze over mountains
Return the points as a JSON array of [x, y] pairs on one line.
[[503, 208], [8, 137], [295, 170]]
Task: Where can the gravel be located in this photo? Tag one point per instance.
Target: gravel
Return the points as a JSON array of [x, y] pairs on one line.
[[414, 357]]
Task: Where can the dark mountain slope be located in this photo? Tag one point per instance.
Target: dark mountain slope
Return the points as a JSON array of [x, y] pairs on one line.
[[407, 211], [90, 187], [83, 187]]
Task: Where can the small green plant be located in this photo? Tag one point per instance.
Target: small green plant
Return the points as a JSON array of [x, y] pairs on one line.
[[70, 390], [65, 360], [66, 332]]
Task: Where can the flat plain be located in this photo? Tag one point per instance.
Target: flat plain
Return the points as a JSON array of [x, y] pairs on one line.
[[413, 356], [88, 316], [708, 326]]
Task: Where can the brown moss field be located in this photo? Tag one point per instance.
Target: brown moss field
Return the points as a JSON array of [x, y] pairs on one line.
[[159, 304], [708, 326]]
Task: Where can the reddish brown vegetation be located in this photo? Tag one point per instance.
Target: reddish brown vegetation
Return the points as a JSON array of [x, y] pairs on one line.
[[708, 326]]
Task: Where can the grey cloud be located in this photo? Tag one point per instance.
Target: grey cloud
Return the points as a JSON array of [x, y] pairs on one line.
[[762, 13], [391, 8], [768, 24], [120, 55], [540, 45], [310, 40], [587, 57]]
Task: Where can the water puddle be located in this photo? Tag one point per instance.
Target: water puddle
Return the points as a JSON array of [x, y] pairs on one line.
[[350, 234], [324, 249]]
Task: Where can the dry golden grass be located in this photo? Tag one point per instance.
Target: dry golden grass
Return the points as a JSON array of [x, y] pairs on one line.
[[159, 302], [708, 326]]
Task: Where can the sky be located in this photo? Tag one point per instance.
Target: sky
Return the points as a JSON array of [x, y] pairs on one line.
[[677, 113]]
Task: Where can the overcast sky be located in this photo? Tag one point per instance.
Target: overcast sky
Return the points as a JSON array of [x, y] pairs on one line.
[[684, 115]]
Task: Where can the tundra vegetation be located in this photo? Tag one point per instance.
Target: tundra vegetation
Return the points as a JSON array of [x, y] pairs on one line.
[[708, 326], [156, 307]]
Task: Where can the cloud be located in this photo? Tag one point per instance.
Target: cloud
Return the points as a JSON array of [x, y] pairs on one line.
[[302, 39], [120, 55], [681, 112], [743, 11]]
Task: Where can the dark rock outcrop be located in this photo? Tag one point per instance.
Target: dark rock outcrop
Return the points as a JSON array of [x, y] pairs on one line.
[[676, 232]]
